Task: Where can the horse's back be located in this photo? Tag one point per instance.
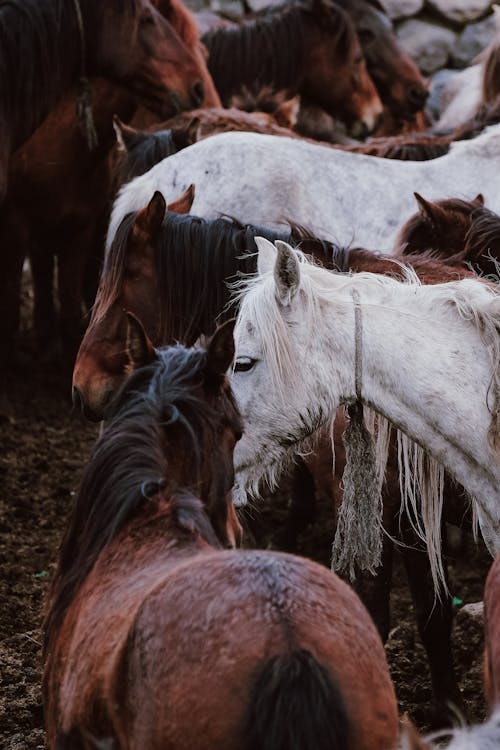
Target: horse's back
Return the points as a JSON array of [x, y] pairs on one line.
[[204, 635]]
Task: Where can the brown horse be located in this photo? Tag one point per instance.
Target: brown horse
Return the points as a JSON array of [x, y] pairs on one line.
[[465, 230], [492, 633], [47, 45], [310, 49], [172, 273], [399, 82], [155, 636], [59, 190]]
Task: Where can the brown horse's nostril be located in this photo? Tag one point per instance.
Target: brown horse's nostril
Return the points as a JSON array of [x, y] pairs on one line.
[[197, 93], [418, 96]]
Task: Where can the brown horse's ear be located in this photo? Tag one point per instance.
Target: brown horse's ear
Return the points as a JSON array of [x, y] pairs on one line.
[[150, 219], [220, 351], [479, 199], [287, 114], [183, 204], [139, 348], [428, 210], [126, 136]]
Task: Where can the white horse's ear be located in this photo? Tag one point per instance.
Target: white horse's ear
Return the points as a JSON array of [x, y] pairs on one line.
[[267, 255], [286, 272]]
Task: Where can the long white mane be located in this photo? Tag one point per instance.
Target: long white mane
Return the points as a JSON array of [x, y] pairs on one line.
[[468, 303]]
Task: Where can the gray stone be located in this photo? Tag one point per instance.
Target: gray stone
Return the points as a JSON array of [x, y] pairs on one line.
[[460, 11], [473, 611], [473, 39], [437, 86], [396, 9], [428, 43]]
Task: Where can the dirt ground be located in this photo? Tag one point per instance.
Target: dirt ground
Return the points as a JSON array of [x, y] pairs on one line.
[[42, 452]]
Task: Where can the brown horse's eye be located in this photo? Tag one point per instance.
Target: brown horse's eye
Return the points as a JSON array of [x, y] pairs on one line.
[[148, 20], [358, 59]]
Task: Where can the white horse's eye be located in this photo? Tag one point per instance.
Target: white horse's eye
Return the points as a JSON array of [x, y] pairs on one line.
[[244, 364]]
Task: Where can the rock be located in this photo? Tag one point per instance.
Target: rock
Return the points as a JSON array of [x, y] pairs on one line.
[[473, 611], [460, 11], [473, 39], [429, 44], [396, 9]]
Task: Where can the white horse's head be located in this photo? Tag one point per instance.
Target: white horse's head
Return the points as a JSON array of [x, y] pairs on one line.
[[276, 386]]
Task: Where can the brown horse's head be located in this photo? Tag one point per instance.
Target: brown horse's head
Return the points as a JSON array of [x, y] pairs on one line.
[[128, 284], [398, 80], [133, 43], [438, 225], [184, 23], [195, 406], [335, 74]]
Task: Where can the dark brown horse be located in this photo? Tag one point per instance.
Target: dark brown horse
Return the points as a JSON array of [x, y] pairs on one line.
[[465, 230], [47, 45], [307, 48], [492, 633], [157, 637], [59, 190], [172, 273], [399, 82]]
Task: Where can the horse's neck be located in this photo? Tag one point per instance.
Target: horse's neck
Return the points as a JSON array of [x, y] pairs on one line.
[[248, 57], [429, 374], [29, 104]]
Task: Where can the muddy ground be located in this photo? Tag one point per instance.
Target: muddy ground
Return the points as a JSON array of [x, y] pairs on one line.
[[42, 452]]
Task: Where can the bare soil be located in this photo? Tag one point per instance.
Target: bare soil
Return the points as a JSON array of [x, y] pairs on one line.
[[42, 452]]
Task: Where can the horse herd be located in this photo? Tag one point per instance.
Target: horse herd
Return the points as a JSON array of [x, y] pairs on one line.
[[374, 376]]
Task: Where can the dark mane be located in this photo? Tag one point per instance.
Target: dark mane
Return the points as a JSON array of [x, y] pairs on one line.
[[194, 259], [147, 151], [128, 467], [268, 51], [482, 241], [39, 57]]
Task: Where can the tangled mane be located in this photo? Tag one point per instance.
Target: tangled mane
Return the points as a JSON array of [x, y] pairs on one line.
[[128, 466], [195, 259], [39, 56], [482, 241], [269, 50]]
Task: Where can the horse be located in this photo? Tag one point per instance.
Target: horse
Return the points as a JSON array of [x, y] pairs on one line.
[[57, 184], [174, 278], [155, 635], [452, 412], [47, 45], [397, 78], [464, 230], [310, 49]]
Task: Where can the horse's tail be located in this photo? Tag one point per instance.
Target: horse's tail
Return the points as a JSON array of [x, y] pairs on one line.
[[295, 705]]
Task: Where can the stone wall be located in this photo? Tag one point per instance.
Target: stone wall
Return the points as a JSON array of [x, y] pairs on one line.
[[443, 33], [436, 33]]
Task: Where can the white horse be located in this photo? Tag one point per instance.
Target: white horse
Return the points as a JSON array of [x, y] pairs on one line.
[[347, 197], [428, 361]]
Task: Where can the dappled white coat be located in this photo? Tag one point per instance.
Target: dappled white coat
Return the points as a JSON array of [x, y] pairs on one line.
[[429, 364], [349, 198]]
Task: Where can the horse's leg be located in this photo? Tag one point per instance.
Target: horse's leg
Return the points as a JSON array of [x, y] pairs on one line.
[[302, 508], [375, 590], [434, 619], [44, 314]]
